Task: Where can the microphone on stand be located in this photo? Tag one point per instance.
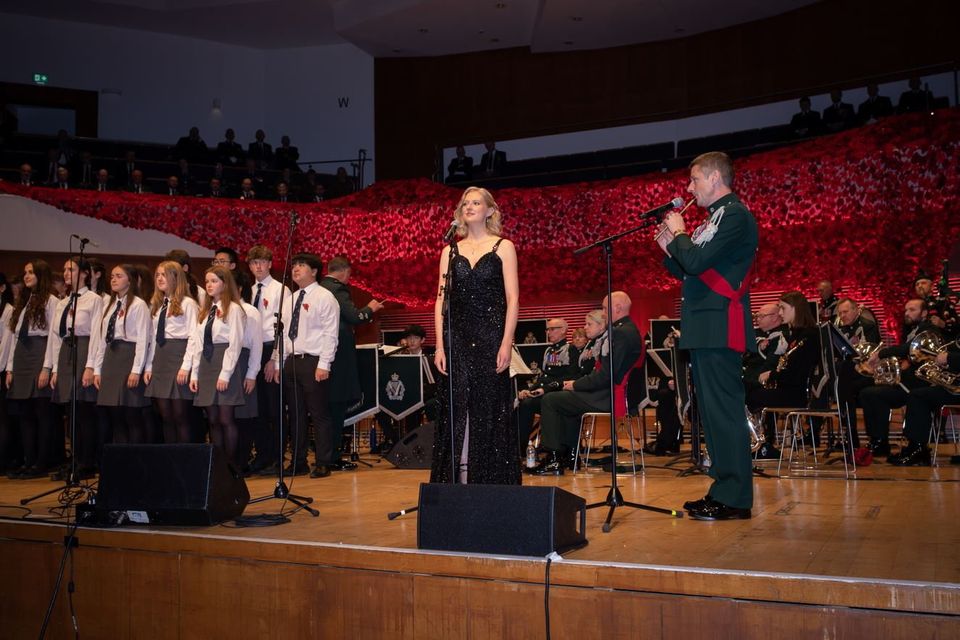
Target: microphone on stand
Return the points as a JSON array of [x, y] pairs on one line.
[[448, 236], [84, 241], [658, 212]]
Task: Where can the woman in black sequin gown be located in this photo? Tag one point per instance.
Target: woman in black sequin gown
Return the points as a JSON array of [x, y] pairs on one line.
[[484, 301]]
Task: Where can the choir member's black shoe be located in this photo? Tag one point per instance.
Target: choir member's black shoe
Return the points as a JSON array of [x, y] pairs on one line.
[[320, 471], [269, 470], [914, 455], [342, 465], [257, 465], [713, 510], [767, 452], [552, 466], [696, 504], [301, 470]]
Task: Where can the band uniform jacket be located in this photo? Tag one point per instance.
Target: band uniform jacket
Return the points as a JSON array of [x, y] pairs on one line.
[[703, 316], [344, 375], [627, 349]]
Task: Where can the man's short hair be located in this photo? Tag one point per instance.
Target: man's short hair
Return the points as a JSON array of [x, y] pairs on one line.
[[337, 264], [415, 330], [310, 259], [715, 161], [259, 252], [230, 252], [178, 255], [845, 300]]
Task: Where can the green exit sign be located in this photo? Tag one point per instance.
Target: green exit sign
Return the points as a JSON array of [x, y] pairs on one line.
[[40, 78]]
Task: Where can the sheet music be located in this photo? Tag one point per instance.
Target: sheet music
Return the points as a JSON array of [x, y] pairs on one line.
[[517, 365]]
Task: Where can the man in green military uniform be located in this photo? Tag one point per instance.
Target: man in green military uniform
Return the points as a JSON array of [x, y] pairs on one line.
[[714, 264]]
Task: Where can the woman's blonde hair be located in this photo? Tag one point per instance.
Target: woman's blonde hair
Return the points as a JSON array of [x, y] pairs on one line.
[[175, 275], [494, 221]]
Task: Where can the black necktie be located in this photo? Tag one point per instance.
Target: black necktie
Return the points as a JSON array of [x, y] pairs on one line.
[[66, 312], [256, 300], [162, 323], [24, 322], [112, 323], [295, 319], [208, 334]]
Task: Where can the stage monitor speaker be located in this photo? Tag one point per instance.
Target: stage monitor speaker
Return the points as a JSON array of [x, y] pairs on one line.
[[177, 484], [502, 519], [415, 450]]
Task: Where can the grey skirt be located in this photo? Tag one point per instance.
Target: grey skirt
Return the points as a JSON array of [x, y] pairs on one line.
[[117, 362], [61, 395], [207, 394], [28, 357], [166, 365], [249, 407]]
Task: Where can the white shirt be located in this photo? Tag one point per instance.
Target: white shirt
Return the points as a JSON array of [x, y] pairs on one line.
[[227, 331], [175, 328], [51, 306], [6, 335], [89, 310], [133, 325], [252, 340], [269, 304], [318, 325]]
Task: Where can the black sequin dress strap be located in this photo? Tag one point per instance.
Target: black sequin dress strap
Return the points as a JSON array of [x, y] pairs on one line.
[[494, 249]]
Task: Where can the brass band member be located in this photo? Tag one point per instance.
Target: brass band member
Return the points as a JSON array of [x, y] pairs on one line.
[[858, 330]]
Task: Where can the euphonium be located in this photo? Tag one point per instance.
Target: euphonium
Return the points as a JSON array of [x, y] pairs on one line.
[[934, 374], [756, 433], [926, 346]]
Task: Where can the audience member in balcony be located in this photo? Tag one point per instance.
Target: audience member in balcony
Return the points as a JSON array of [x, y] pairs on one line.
[[229, 151], [460, 167], [283, 193], [319, 193], [342, 185], [286, 157], [103, 181], [246, 190], [839, 115], [85, 171], [493, 161], [307, 187], [52, 165], [215, 189], [186, 178], [807, 121], [260, 152], [916, 98], [192, 147], [253, 173], [875, 106], [137, 185], [173, 186], [63, 178], [127, 168], [26, 175], [285, 176]]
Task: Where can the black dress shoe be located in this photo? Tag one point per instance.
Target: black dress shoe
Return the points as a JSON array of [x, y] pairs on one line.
[[713, 510], [552, 466], [320, 471], [301, 470], [768, 452], [269, 470], [915, 455], [342, 465], [696, 504]]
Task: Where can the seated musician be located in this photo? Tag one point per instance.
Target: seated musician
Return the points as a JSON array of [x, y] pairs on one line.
[[878, 399], [412, 342], [560, 361], [772, 342], [860, 330], [787, 384], [560, 412]]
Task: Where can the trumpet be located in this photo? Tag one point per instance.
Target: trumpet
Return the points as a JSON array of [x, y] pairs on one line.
[[662, 227]]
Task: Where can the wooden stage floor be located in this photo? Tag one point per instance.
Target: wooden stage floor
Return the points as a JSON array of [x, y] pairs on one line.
[[878, 554]]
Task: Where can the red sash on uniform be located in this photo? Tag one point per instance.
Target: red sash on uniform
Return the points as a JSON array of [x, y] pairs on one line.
[[719, 285]]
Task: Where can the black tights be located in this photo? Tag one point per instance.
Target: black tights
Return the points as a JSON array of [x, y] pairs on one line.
[[223, 430], [36, 428], [176, 420], [127, 424]]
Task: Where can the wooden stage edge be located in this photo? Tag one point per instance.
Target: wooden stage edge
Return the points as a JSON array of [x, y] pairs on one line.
[[217, 581]]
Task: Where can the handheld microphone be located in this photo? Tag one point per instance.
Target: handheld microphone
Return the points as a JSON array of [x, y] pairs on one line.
[[657, 212], [84, 241], [448, 236]]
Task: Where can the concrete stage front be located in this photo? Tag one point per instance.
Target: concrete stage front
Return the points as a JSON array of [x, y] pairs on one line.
[[875, 557]]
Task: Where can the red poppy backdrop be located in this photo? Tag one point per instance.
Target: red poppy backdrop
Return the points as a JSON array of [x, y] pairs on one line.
[[866, 208]]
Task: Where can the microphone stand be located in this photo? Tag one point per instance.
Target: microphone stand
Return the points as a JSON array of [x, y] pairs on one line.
[[614, 498], [280, 490], [73, 489], [448, 342]]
